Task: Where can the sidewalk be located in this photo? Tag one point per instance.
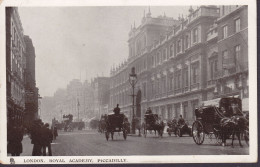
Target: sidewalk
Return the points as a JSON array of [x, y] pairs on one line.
[[27, 146]]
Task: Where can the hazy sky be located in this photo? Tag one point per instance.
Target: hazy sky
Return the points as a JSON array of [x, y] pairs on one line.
[[70, 41]]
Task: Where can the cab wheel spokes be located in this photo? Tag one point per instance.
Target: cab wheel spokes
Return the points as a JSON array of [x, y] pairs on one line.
[[198, 132]]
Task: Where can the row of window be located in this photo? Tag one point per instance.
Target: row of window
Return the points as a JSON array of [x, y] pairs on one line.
[[224, 10], [229, 60], [166, 83], [15, 40], [180, 79], [176, 47], [237, 26], [16, 66], [17, 91]]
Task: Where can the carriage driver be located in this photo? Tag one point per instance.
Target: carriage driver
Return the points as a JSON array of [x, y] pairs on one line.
[[174, 120], [117, 109], [148, 111], [181, 121]]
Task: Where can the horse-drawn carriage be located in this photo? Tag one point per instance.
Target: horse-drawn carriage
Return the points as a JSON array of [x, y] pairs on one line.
[[178, 129], [183, 129], [116, 123], [172, 127], [152, 122], [221, 118]]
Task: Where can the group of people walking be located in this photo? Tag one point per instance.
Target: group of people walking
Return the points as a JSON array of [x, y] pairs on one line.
[[41, 138], [40, 134]]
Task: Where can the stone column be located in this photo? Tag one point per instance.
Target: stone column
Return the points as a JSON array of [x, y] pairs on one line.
[[181, 109]]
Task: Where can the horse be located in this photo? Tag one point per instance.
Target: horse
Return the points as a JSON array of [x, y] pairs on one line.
[[234, 126], [157, 126], [102, 124], [241, 126]]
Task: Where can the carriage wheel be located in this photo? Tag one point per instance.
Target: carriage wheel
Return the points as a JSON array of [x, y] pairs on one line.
[[198, 132], [107, 135]]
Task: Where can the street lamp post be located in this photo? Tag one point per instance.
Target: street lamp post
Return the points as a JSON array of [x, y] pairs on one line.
[[133, 81], [78, 108], [60, 115]]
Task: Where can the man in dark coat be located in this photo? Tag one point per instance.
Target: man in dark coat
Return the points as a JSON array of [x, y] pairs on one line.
[[148, 111], [46, 139], [15, 137], [36, 138], [117, 109], [181, 121], [55, 132]]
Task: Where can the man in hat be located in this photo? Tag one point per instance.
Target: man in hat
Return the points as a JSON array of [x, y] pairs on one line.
[[46, 139], [36, 138], [117, 109], [181, 121], [148, 111]]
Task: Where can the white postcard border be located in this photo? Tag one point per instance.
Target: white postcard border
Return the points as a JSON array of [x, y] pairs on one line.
[[252, 49]]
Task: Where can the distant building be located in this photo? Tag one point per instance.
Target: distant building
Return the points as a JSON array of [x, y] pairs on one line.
[[100, 86], [15, 67], [77, 99], [181, 63]]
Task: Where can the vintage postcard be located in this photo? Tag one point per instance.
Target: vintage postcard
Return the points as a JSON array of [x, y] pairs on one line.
[[120, 82]]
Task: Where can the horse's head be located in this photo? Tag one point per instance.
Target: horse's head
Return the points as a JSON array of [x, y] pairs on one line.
[[240, 121]]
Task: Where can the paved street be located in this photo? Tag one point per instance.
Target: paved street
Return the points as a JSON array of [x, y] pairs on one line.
[[91, 143]]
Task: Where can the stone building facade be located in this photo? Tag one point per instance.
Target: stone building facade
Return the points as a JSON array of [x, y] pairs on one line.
[[100, 87], [179, 63], [31, 91], [15, 67], [76, 99]]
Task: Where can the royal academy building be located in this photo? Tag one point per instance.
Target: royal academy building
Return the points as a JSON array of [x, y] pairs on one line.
[[182, 63]]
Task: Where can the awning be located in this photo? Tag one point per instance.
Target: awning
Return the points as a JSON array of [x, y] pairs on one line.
[[213, 102]]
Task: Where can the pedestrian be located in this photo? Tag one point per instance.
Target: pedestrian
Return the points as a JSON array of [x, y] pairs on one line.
[[174, 120], [46, 139], [55, 132], [181, 121], [117, 109], [36, 138], [148, 111], [15, 137]]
